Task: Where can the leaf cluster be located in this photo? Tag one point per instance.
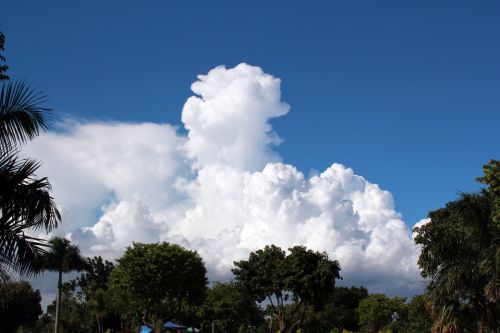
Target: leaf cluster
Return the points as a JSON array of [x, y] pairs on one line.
[[157, 279]]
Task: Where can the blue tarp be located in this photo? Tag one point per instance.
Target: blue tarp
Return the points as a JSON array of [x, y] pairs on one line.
[[170, 324], [145, 329]]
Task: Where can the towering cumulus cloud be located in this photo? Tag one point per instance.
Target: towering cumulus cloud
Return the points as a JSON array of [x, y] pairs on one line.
[[222, 189]]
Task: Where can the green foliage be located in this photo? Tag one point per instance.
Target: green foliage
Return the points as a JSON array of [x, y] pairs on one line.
[[94, 289], [419, 316], [492, 178], [19, 305], [305, 277], [344, 307], [73, 314], [229, 308], [461, 255], [377, 312], [157, 281], [340, 311]]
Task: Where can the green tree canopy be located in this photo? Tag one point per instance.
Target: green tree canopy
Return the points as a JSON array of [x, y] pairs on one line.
[[229, 308], [377, 312], [419, 315], [340, 312], [460, 254], [19, 305], [94, 289], [304, 277], [156, 280], [492, 178]]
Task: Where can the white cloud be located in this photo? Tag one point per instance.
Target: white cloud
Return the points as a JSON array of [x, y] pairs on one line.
[[222, 190], [228, 122]]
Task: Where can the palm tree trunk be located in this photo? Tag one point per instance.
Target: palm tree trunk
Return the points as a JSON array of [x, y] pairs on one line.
[[58, 302]]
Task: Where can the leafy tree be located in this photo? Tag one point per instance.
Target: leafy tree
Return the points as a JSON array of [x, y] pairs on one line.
[[62, 257], [375, 312], [94, 289], [460, 254], [490, 259], [25, 201], [157, 281], [73, 312], [304, 277], [229, 308], [340, 312], [492, 178], [345, 303], [419, 316], [379, 312], [19, 305]]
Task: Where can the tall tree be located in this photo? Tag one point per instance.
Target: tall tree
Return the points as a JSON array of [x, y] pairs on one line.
[[62, 257], [460, 254], [94, 286], [304, 277], [157, 280], [25, 201]]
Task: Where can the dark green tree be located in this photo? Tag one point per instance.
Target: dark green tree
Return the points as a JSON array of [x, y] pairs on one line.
[[301, 279], [62, 257], [229, 309], [19, 306], [491, 178], [419, 315], [377, 312], [460, 255], [74, 315], [94, 290], [157, 281], [490, 259], [340, 312]]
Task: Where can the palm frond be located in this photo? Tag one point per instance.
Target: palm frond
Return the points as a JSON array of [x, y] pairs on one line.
[[21, 114], [63, 256], [25, 206], [25, 195]]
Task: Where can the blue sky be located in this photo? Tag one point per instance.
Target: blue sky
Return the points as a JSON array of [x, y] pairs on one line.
[[407, 94]]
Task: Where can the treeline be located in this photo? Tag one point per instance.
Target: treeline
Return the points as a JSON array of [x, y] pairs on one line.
[[153, 283]]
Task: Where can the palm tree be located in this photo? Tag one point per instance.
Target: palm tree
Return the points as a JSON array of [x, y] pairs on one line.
[[62, 257], [25, 201], [459, 250], [3, 68]]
